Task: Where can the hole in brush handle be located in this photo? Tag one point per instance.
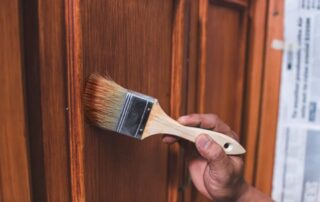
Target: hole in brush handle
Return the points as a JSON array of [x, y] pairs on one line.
[[228, 147]]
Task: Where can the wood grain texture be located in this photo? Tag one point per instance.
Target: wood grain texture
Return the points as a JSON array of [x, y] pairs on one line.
[[194, 195], [130, 41], [75, 115], [178, 94], [14, 154], [45, 60], [149, 46], [271, 90], [189, 192], [219, 75], [193, 56], [203, 24], [222, 63], [254, 75]]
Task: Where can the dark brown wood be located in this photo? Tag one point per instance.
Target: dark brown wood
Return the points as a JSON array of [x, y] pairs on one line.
[[234, 3], [45, 63], [192, 58], [14, 154], [178, 94]]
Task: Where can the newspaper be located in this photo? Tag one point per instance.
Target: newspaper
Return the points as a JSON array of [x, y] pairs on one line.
[[297, 160]]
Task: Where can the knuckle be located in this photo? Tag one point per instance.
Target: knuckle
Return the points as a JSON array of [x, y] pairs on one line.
[[194, 116], [227, 127], [209, 121], [212, 117]]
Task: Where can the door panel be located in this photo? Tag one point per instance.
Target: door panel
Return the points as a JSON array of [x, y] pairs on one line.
[[220, 72], [224, 66], [131, 42]]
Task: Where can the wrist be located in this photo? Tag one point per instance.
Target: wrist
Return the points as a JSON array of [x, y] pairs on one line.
[[251, 194], [243, 191], [234, 194]]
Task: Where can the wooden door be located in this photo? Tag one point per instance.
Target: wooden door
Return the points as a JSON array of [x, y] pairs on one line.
[[193, 55], [134, 43]]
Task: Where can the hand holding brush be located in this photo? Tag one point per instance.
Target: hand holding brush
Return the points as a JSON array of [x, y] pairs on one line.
[[216, 175], [112, 107]]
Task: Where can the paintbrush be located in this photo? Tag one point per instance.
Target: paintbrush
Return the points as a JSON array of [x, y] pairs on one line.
[[112, 107]]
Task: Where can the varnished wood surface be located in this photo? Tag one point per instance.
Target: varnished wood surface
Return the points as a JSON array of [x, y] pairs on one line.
[[193, 57], [45, 64], [189, 54], [254, 79], [220, 73], [270, 99], [189, 192], [75, 112], [15, 183], [223, 66], [130, 41], [178, 93]]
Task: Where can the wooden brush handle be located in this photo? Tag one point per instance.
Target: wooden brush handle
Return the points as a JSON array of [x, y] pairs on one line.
[[160, 123], [230, 145]]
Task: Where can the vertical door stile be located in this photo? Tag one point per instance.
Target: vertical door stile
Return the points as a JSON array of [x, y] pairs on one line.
[[75, 112], [177, 97]]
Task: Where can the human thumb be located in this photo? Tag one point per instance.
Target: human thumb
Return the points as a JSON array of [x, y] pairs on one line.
[[213, 153]]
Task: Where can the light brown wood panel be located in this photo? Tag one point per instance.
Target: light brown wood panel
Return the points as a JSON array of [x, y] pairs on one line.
[[131, 41], [217, 78], [14, 154], [254, 79], [222, 62], [270, 99]]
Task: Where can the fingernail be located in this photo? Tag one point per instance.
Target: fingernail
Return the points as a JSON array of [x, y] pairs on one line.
[[165, 140], [203, 142]]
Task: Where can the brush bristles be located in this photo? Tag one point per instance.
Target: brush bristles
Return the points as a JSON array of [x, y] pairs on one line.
[[104, 101]]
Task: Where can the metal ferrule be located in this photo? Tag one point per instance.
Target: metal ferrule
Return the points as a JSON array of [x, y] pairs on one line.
[[135, 114]]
